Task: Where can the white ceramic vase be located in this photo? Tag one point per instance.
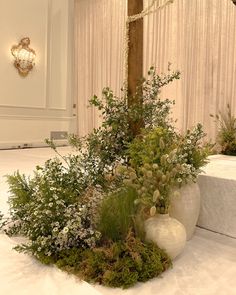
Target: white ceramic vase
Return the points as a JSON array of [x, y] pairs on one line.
[[167, 233], [186, 207]]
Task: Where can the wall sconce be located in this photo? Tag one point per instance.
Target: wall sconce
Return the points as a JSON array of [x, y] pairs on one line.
[[24, 56]]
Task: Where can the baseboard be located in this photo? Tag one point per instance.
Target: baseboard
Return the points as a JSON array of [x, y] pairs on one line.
[[33, 144]]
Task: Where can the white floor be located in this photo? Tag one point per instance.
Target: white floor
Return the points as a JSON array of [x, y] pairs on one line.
[[206, 267]]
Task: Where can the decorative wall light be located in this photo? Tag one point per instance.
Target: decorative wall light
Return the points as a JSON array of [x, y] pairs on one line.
[[24, 56]]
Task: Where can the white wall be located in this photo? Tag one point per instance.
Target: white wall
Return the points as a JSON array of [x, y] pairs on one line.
[[33, 106]]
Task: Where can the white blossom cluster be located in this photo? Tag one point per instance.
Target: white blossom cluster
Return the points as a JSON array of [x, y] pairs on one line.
[[56, 217]]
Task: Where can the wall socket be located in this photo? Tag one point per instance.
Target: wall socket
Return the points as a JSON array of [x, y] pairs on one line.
[[59, 135]]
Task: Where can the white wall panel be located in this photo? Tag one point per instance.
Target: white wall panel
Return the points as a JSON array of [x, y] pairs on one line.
[[33, 106], [36, 130], [18, 19]]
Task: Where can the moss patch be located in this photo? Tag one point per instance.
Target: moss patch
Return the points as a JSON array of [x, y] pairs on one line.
[[121, 264]]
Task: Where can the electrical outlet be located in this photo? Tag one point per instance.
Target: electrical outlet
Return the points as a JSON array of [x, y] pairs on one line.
[[58, 135]]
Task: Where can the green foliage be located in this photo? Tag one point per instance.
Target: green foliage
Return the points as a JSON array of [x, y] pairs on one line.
[[119, 264], [194, 151], [164, 160], [154, 111], [108, 144], [3, 221], [226, 136], [117, 213], [151, 145], [21, 192], [54, 210]]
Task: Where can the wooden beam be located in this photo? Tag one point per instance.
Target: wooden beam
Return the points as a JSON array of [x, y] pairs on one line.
[[135, 58]]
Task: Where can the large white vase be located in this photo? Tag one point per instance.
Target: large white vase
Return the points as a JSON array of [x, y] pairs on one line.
[[167, 233], [185, 207]]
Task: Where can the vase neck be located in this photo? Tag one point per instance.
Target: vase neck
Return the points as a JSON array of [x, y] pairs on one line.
[[163, 216]]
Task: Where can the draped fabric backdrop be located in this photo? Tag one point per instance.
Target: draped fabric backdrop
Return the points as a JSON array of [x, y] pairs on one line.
[[197, 36], [99, 45]]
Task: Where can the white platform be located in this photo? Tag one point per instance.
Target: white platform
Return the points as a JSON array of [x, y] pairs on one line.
[[206, 267], [218, 195]]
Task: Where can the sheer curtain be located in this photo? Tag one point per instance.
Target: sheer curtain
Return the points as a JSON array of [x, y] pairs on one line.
[[99, 53], [199, 38]]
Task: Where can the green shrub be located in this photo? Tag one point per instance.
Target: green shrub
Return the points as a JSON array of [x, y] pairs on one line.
[[53, 210], [117, 213], [151, 145], [163, 160], [226, 136]]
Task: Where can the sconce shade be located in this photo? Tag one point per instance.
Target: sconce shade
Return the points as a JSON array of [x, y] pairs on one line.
[[24, 56]]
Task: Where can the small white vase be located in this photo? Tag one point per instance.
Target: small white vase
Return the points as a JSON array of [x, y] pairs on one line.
[[167, 233], [186, 207]]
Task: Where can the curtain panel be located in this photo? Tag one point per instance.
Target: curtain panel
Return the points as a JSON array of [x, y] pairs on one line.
[[196, 36], [99, 43]]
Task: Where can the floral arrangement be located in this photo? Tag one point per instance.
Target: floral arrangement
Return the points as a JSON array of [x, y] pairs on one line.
[[49, 211], [162, 160], [226, 136], [84, 212]]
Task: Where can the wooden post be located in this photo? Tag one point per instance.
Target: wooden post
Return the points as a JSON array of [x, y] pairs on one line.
[[135, 58]]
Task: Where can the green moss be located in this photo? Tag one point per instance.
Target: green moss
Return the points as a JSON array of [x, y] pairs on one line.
[[120, 264], [122, 276]]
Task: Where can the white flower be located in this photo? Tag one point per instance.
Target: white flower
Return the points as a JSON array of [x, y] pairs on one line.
[[155, 166], [189, 141], [50, 204], [65, 230], [179, 180]]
